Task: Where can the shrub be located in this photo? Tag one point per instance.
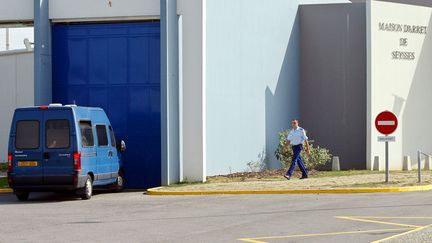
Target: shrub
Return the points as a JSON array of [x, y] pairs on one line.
[[284, 153], [3, 166]]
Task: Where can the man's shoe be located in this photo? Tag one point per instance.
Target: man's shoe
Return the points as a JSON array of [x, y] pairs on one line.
[[287, 177], [303, 177]]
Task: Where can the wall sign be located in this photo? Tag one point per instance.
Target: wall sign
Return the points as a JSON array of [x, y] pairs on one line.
[[404, 53]]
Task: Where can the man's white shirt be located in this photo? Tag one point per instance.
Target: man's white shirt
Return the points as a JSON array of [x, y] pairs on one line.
[[297, 136]]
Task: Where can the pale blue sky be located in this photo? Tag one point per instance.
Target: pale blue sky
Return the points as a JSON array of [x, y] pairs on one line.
[[17, 36]]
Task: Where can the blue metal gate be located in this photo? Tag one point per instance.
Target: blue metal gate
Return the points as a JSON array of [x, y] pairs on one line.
[[115, 66]]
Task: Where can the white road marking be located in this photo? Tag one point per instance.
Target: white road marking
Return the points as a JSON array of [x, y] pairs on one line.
[[386, 123]]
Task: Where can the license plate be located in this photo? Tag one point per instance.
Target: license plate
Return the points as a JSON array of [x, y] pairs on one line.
[[27, 163]]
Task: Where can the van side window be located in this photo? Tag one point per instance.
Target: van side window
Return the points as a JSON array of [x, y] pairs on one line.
[[102, 135], [113, 140], [57, 134], [86, 134], [27, 135]]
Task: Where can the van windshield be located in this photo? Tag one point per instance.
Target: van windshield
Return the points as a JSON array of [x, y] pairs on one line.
[[57, 134], [27, 135]]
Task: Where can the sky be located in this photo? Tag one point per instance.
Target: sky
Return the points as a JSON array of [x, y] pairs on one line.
[[16, 37]]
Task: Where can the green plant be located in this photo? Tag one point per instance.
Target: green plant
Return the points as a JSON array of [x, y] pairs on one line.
[[3, 183], [254, 166], [318, 155], [3, 166], [257, 165]]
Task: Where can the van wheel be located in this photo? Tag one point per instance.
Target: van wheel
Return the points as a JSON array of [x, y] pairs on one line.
[[119, 184], [86, 192], [22, 195]]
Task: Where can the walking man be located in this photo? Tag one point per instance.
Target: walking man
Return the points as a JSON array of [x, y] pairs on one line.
[[296, 138]]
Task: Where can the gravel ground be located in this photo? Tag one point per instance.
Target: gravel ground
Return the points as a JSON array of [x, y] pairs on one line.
[[421, 236], [368, 180]]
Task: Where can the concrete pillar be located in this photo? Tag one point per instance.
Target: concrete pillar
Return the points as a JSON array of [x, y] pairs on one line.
[[193, 63], [407, 163], [376, 164], [169, 93], [42, 53], [335, 163], [428, 160]]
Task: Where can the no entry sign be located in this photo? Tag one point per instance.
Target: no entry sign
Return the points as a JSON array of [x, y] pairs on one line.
[[386, 122]]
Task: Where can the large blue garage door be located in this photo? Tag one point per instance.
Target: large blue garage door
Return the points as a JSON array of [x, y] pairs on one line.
[[117, 67]]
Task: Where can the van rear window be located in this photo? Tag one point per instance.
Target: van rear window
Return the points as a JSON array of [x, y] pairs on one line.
[[27, 135], [57, 134], [87, 139]]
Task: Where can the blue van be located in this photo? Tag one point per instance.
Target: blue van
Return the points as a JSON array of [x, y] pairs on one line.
[[58, 147]]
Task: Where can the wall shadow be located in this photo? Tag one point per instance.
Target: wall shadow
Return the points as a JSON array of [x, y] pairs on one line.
[[282, 104], [417, 116]]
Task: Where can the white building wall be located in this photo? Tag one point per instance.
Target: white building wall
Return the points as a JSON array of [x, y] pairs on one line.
[[16, 90], [401, 86], [16, 10], [252, 80]]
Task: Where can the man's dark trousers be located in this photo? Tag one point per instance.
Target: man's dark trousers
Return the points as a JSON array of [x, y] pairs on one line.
[[297, 159]]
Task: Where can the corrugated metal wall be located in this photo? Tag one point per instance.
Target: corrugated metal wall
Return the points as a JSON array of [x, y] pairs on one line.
[[16, 89]]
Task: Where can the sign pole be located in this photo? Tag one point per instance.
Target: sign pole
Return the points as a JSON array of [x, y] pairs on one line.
[[386, 123], [387, 161]]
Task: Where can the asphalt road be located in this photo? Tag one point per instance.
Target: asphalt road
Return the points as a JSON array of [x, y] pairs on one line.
[[135, 217]]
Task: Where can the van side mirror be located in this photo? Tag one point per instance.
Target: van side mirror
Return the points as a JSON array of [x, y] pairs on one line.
[[121, 146]]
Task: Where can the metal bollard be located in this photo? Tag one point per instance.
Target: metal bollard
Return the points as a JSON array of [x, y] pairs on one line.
[[427, 165], [407, 163], [335, 163], [419, 165], [376, 165]]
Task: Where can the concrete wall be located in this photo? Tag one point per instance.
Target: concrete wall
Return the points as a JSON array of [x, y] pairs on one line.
[[333, 79], [427, 3], [252, 80], [402, 86], [193, 80], [16, 90], [16, 10]]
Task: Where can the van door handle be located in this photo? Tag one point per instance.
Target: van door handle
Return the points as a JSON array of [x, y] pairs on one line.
[[46, 155], [110, 153]]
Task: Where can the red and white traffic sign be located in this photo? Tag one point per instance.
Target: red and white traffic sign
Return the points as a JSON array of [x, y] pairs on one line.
[[386, 122]]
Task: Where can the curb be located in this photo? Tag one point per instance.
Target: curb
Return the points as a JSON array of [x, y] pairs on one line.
[[156, 191], [5, 190]]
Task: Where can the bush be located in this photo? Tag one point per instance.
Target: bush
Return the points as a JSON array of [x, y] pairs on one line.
[[3, 166], [284, 153]]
